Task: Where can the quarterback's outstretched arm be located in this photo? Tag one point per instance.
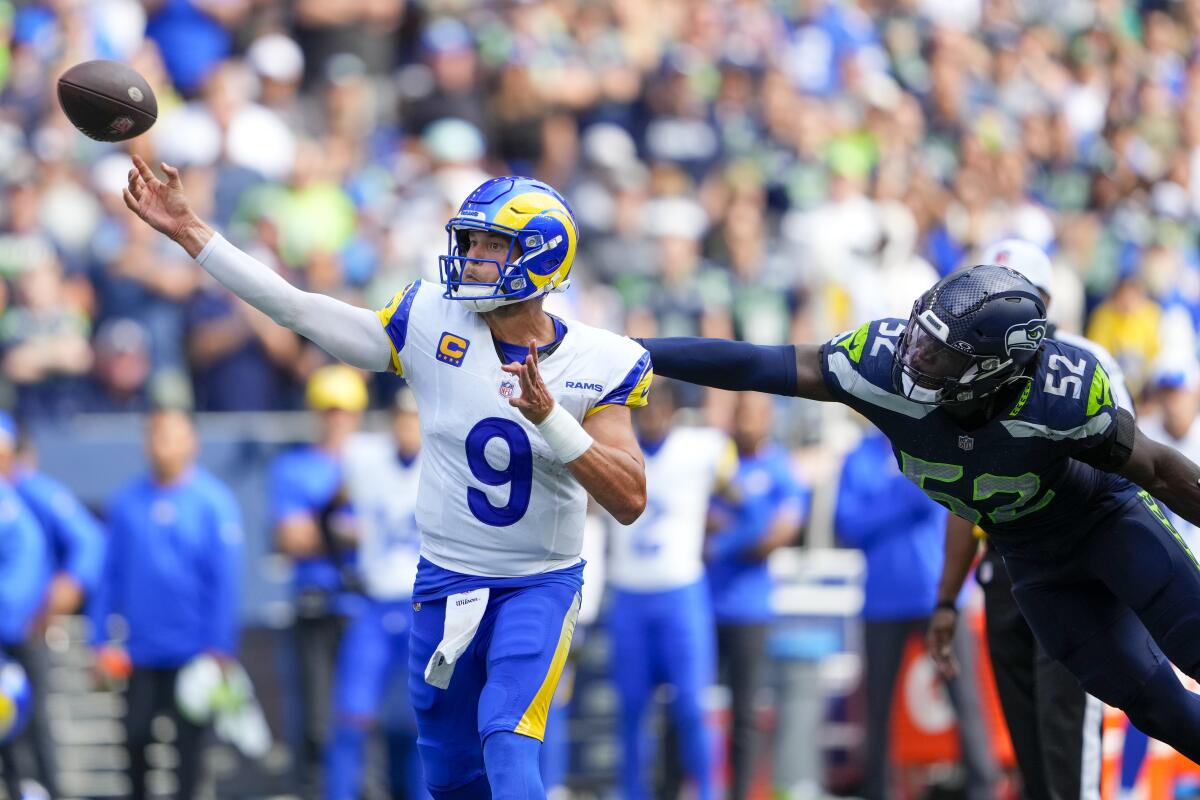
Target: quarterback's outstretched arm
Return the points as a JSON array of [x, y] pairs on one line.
[[791, 370], [347, 332]]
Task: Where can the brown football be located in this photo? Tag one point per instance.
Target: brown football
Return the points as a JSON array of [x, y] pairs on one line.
[[107, 100]]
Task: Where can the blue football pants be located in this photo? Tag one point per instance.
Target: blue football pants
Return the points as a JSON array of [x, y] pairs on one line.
[[481, 736], [373, 657], [1118, 612], [664, 638]]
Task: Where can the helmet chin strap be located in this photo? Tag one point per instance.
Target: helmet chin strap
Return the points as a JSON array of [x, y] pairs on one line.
[[980, 410], [484, 304], [489, 303], [484, 301]]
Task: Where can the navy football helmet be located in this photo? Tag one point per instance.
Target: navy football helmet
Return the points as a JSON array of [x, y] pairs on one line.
[[969, 336]]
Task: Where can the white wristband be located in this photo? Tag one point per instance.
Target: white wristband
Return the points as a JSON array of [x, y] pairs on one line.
[[564, 434]]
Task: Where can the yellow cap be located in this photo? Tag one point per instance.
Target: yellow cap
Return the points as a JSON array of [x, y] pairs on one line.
[[336, 386]]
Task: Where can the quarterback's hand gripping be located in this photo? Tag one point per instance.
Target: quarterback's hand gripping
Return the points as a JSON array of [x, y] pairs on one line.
[[535, 401]]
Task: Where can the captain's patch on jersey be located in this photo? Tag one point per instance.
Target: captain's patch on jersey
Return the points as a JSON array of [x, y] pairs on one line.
[[452, 349]]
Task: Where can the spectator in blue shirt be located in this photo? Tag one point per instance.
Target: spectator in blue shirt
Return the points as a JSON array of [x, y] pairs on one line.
[[193, 36], [24, 574], [764, 510], [306, 504], [24, 568], [902, 534], [172, 573], [73, 534], [239, 357], [75, 548]]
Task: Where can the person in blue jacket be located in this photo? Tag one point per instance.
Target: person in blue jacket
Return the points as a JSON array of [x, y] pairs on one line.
[[75, 536], [24, 573], [307, 500], [76, 548], [902, 534], [173, 574], [766, 512]]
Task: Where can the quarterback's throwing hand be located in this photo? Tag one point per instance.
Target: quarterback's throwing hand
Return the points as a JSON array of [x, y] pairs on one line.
[[535, 400], [161, 204]]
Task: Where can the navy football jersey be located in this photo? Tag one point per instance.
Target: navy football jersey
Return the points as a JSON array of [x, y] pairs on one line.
[[1015, 475]]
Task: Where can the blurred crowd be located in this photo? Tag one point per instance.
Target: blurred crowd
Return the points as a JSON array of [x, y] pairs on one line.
[[770, 170], [766, 170]]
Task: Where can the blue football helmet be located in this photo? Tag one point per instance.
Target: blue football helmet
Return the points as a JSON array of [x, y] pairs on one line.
[[16, 700], [542, 240], [969, 336]]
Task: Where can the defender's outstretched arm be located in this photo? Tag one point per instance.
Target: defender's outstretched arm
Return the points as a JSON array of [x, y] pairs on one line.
[[790, 370], [1166, 474]]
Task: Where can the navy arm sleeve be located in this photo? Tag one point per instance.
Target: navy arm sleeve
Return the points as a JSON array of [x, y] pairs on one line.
[[724, 364]]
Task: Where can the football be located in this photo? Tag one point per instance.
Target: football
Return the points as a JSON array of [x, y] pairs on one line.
[[107, 100]]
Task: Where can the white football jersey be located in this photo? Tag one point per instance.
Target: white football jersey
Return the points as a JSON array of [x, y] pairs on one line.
[[664, 548], [594, 538], [494, 500], [383, 493]]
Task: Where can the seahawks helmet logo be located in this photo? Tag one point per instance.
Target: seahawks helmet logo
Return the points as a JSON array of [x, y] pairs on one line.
[[1026, 336]]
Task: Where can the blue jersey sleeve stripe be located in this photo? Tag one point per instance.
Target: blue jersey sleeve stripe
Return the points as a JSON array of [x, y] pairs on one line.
[[619, 396], [395, 320]]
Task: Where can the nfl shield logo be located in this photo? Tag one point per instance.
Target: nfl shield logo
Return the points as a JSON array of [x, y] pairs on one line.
[[506, 389], [966, 443]]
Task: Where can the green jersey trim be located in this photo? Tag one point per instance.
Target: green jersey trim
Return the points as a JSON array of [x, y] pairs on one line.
[[854, 341], [1100, 395]]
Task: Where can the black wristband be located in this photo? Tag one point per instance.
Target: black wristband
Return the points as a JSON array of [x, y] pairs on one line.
[[948, 605]]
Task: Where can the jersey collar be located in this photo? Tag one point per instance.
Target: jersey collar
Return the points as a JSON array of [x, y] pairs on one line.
[[508, 353]]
